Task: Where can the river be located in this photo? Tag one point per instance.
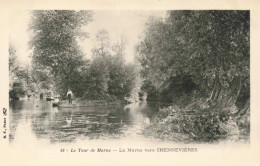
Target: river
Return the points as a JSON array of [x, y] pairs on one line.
[[35, 120]]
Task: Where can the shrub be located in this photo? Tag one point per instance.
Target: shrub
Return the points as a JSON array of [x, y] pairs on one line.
[[193, 124]]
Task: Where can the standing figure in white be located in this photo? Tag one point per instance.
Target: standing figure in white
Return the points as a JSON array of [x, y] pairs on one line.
[[69, 94]]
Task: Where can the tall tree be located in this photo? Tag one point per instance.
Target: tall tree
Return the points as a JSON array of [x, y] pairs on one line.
[[17, 75], [12, 58], [108, 74], [54, 42], [211, 47], [102, 48], [218, 47]]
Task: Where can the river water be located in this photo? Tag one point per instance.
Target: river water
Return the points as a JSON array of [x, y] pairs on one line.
[[35, 120]]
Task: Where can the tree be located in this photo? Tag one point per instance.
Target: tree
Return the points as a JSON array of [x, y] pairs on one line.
[[224, 39], [15, 70], [12, 59], [17, 75], [151, 54], [54, 42], [42, 79], [211, 47], [13, 67], [108, 76], [119, 47], [103, 44]]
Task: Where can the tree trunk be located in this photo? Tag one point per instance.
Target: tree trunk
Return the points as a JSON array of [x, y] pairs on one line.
[[225, 97], [244, 110], [233, 91], [217, 91]]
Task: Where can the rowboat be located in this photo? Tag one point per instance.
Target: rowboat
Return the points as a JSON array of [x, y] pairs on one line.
[[49, 98], [56, 101]]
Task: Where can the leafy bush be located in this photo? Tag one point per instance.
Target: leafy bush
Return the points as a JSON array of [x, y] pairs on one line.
[[193, 124], [17, 91]]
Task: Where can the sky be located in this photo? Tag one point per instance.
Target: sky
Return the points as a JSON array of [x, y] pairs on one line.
[[130, 24]]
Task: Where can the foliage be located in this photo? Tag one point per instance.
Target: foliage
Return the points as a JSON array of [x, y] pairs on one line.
[[198, 44], [187, 125], [96, 79], [17, 75], [12, 58], [54, 42], [108, 77], [42, 79], [17, 90], [103, 44], [56, 50], [15, 70]]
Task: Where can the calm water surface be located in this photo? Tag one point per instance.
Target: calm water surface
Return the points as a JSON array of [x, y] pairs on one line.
[[38, 120]]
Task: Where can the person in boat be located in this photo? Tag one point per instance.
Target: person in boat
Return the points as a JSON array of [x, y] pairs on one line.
[[69, 94]]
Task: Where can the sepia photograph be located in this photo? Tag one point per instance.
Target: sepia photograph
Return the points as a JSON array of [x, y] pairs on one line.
[[133, 83], [179, 76]]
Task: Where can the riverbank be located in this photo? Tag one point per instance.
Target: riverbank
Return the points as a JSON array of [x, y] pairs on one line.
[[87, 103], [196, 123]]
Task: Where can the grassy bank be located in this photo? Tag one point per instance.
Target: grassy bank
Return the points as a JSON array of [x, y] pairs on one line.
[[197, 123]]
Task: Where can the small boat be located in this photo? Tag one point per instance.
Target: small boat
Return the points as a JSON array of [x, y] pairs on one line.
[[49, 98], [56, 101]]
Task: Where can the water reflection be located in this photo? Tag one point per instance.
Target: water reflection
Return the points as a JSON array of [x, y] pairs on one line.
[[37, 119]]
